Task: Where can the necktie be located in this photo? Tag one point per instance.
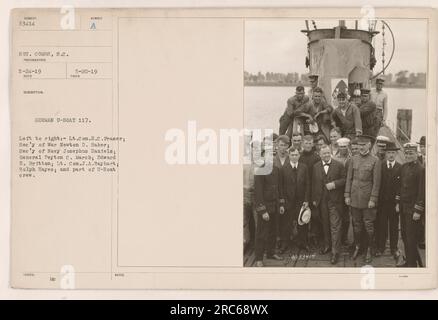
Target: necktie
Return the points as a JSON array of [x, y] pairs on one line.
[[390, 165]]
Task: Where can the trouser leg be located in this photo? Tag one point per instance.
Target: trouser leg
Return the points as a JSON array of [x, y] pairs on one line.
[[410, 240], [262, 233], [335, 215], [272, 234], [345, 223], [285, 227], [381, 226], [285, 120], [325, 222], [358, 225], [394, 219], [369, 217]]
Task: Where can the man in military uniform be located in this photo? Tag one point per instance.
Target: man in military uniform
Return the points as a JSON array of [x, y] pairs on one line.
[[347, 117], [361, 193], [354, 147], [380, 98], [386, 214], [297, 112], [368, 114], [410, 199], [267, 206], [422, 155]]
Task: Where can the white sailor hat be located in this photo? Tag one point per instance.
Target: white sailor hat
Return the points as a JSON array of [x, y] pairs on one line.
[[343, 142]]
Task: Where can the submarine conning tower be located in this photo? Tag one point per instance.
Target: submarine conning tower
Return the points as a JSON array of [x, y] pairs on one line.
[[342, 58]]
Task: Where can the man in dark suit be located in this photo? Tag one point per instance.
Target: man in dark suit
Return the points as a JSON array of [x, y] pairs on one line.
[[280, 160], [386, 214], [267, 199], [410, 198], [296, 192], [328, 182]]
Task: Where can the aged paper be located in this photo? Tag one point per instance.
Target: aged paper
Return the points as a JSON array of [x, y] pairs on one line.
[[126, 170]]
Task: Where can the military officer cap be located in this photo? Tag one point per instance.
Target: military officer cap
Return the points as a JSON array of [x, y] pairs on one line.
[[410, 146], [422, 141], [313, 77], [380, 79], [364, 91], [391, 146], [343, 142], [364, 138]]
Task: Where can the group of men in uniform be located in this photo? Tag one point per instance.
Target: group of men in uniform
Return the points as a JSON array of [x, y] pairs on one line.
[[315, 185]]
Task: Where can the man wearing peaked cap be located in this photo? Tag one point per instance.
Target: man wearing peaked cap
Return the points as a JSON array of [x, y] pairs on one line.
[[361, 193], [422, 156], [386, 214], [410, 197]]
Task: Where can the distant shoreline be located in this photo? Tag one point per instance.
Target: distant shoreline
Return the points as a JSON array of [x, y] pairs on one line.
[[277, 84]]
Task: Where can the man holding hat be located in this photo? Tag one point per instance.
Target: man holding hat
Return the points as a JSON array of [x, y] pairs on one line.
[[386, 214], [361, 193], [380, 147], [368, 113], [297, 110], [328, 182], [322, 112], [296, 192], [410, 198], [347, 117], [380, 98], [268, 204]]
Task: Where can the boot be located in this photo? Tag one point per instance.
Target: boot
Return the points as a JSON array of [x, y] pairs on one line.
[[368, 255]]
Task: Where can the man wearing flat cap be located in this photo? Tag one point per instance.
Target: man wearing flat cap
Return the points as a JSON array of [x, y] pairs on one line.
[[380, 98], [361, 193], [368, 114], [347, 117], [410, 197], [386, 214]]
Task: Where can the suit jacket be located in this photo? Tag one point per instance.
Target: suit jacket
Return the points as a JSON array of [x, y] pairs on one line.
[[267, 190], [389, 183], [295, 190], [363, 180], [336, 174]]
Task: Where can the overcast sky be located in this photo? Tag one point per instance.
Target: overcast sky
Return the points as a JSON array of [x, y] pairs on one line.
[[278, 45]]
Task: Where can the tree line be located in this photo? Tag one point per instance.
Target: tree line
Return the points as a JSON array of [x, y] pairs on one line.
[[403, 78]]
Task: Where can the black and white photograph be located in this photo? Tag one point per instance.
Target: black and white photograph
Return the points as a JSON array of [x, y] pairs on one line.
[[336, 114]]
